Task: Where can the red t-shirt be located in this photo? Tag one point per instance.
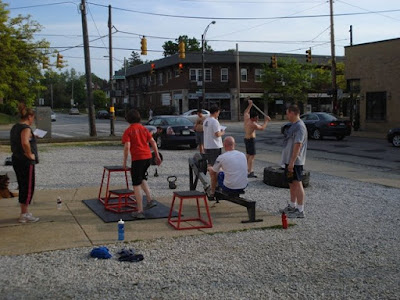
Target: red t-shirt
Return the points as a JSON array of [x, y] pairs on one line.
[[139, 137]]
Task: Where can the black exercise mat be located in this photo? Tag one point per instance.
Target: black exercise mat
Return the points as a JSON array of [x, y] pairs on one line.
[[156, 212]]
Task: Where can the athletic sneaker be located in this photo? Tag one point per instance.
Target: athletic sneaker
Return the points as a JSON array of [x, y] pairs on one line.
[[27, 218], [296, 214], [138, 215], [151, 204], [251, 175], [288, 209]]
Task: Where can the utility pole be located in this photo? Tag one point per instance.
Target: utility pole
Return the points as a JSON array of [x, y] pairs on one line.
[[238, 80], [92, 124], [51, 94], [112, 109], [333, 59], [351, 35]]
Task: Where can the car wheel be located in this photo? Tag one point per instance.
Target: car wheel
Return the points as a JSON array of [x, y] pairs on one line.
[[275, 176], [160, 143], [316, 135], [340, 137], [396, 140], [193, 146]]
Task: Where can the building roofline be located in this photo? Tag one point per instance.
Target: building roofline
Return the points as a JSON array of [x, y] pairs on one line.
[[219, 57], [370, 43]]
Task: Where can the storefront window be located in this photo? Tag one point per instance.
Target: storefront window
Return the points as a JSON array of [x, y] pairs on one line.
[[376, 106]]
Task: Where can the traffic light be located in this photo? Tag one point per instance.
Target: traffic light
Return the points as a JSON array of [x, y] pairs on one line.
[[45, 62], [180, 66], [309, 57], [182, 49], [143, 42], [152, 66], [59, 61], [274, 62]]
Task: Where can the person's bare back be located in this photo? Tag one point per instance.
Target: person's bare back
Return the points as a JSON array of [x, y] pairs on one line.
[[249, 128]]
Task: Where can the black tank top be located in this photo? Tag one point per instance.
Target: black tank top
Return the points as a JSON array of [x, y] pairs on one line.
[[16, 146]]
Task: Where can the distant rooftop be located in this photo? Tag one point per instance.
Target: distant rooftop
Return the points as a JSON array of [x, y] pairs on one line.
[[223, 57]]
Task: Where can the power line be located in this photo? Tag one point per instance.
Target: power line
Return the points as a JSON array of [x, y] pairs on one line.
[[249, 28], [246, 18], [368, 10], [95, 25], [40, 5], [252, 2]]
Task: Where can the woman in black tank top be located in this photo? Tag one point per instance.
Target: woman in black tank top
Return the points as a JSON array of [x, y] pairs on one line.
[[24, 158]]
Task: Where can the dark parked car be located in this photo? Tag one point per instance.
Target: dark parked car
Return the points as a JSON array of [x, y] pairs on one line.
[[320, 124], [102, 114], [173, 131], [393, 136]]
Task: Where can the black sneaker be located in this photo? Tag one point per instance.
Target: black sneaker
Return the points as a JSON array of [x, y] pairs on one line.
[[251, 175], [138, 215]]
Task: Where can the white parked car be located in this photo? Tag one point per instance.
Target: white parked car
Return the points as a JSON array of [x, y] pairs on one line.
[[192, 114]]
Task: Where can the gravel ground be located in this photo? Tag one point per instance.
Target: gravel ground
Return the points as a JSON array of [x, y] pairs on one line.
[[345, 248]]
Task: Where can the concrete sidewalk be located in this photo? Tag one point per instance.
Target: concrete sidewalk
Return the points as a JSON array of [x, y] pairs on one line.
[[75, 225]]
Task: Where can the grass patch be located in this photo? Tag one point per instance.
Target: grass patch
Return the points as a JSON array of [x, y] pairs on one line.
[[7, 119]]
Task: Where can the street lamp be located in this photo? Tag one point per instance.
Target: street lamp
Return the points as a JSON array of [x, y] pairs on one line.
[[203, 37]]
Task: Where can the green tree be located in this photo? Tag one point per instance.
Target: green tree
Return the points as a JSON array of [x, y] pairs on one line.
[[20, 58], [291, 80], [99, 99], [134, 60], [192, 45]]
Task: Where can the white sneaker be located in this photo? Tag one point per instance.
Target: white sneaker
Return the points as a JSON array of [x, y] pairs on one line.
[[27, 218]]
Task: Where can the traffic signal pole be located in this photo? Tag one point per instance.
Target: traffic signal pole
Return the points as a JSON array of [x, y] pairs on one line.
[[112, 110], [333, 59]]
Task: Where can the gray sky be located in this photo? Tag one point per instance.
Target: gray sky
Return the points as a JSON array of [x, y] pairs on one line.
[[286, 26]]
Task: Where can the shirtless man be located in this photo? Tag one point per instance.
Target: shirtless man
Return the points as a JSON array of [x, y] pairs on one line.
[[198, 127], [250, 127]]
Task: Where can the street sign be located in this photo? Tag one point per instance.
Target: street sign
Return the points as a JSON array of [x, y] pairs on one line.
[[278, 101]]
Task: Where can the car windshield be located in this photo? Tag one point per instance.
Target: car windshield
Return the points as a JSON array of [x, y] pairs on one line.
[[326, 117], [178, 121]]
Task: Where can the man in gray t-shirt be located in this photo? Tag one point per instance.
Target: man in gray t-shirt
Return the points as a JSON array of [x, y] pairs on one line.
[[294, 158]]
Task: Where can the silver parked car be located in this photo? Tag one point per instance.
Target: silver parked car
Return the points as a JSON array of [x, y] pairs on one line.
[[192, 114]]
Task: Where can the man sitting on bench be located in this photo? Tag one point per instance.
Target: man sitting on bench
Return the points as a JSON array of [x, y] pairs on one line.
[[233, 179]]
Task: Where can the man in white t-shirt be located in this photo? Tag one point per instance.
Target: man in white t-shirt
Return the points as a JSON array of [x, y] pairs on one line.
[[233, 163], [212, 140]]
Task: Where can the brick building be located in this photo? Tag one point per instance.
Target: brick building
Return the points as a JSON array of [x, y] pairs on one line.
[[372, 72], [177, 83]]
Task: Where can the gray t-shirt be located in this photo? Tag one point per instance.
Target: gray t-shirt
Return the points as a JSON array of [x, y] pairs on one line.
[[297, 133]]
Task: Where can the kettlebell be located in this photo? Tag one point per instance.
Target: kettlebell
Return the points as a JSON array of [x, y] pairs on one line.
[[171, 182]]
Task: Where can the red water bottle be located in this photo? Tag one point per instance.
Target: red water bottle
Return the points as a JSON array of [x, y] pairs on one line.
[[284, 221]]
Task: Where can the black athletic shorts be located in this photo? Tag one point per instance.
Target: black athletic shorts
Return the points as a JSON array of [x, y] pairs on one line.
[[250, 146], [139, 171], [212, 155], [297, 174]]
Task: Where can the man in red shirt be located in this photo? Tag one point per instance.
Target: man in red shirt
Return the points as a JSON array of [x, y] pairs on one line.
[[136, 139]]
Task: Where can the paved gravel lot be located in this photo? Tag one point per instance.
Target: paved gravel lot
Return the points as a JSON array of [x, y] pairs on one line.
[[345, 248]]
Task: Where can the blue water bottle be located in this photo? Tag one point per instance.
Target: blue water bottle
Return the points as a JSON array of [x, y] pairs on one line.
[[121, 230]]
